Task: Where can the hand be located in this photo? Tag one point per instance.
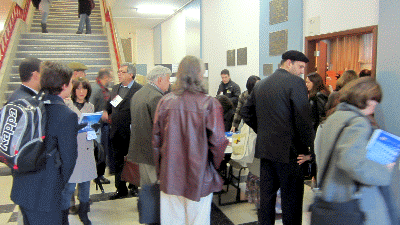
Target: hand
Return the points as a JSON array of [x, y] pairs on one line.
[[233, 129], [104, 117], [302, 158]]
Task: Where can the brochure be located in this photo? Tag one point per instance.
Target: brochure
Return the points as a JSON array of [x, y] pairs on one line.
[[90, 119], [383, 147]]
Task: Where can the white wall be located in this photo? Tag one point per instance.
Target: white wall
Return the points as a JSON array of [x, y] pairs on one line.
[[340, 15], [173, 39], [144, 47], [230, 25]]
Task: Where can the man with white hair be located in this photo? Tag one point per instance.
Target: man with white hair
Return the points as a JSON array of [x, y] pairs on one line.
[[143, 109]]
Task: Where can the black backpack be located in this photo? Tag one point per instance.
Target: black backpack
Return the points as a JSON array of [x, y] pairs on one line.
[[22, 127]]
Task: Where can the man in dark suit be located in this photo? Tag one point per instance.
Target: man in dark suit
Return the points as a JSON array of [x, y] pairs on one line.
[[143, 109], [119, 109], [39, 193], [29, 72], [279, 112]]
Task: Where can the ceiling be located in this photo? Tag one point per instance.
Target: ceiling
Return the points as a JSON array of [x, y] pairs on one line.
[[125, 9]]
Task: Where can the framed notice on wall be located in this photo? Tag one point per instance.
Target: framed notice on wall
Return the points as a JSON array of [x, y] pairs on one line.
[[230, 57], [278, 42], [242, 56]]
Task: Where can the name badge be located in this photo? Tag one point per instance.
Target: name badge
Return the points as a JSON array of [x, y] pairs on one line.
[[228, 91], [115, 102]]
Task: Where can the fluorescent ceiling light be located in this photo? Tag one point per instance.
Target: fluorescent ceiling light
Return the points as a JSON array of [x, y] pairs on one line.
[[156, 9]]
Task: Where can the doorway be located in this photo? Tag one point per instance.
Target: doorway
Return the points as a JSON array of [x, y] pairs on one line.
[[331, 54]]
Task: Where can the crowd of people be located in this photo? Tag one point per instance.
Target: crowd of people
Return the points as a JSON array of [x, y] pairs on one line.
[[176, 135]]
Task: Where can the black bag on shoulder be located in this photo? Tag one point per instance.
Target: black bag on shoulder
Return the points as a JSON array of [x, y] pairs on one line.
[[22, 127], [335, 213]]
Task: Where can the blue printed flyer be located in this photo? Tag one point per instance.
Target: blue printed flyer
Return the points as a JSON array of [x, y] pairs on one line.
[[383, 147], [90, 119]]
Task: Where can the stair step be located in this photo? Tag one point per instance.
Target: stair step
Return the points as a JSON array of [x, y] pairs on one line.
[[64, 22], [55, 36], [86, 61], [91, 68], [57, 42], [65, 49], [65, 26], [64, 31]]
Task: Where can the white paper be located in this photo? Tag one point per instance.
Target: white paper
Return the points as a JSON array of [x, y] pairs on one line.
[[91, 135]]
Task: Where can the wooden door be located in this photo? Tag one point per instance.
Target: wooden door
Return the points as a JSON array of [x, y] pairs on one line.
[[321, 59]]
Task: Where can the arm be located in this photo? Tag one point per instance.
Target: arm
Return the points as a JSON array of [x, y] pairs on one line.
[[157, 140], [235, 94], [219, 89], [153, 106], [248, 112], [67, 145], [352, 155], [217, 141], [302, 113], [237, 118]]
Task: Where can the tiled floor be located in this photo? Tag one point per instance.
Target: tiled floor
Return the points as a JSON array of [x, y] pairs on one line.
[[124, 211]]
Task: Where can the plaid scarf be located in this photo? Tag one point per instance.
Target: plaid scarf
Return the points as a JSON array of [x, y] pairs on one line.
[[106, 92]]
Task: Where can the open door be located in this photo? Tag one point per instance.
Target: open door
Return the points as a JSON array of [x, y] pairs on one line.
[[322, 48]]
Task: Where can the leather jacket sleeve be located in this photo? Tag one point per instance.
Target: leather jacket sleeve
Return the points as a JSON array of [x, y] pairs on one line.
[[217, 141]]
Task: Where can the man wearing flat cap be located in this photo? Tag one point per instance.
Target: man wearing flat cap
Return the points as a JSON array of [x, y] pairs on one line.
[[279, 112], [78, 68]]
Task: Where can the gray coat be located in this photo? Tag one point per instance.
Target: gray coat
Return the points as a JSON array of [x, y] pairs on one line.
[[85, 168], [143, 109], [349, 163]]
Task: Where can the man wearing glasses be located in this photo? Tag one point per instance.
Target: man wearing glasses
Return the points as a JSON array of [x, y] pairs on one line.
[[118, 108]]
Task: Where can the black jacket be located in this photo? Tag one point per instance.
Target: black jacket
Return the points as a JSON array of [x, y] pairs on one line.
[[231, 90], [279, 112], [84, 7], [121, 117]]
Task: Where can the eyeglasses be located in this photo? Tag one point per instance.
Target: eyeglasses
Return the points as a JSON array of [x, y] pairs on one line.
[[119, 71]]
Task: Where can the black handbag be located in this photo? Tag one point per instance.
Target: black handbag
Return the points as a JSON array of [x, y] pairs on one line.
[[335, 213], [149, 204]]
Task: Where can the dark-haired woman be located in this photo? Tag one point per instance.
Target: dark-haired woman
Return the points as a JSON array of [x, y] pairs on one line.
[[85, 168], [251, 81]]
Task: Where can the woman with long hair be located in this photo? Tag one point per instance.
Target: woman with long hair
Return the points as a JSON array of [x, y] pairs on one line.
[[189, 143], [85, 168], [251, 81]]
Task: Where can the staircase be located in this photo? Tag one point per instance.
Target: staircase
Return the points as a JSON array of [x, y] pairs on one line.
[[62, 43]]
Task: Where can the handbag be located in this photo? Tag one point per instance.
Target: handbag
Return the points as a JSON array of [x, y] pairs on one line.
[[335, 213], [149, 204], [130, 173]]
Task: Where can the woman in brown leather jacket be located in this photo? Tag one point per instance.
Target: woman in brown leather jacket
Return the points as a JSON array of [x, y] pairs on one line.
[[189, 144]]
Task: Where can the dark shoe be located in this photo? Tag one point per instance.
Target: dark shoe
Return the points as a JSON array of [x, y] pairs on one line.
[[104, 180], [73, 210], [88, 32], [119, 195], [79, 32], [99, 184], [64, 217], [83, 213], [44, 28]]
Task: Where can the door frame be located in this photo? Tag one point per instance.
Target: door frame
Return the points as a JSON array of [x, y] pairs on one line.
[[310, 45]]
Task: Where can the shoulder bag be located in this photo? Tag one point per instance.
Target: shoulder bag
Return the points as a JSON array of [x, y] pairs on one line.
[[335, 213]]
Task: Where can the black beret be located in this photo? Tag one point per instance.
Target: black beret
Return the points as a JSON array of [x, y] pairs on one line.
[[295, 56]]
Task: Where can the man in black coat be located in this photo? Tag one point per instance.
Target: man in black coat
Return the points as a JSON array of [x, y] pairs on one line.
[[39, 193], [29, 72], [279, 112], [119, 109], [229, 88]]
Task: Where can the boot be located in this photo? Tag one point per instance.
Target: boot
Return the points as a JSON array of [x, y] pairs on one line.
[[83, 213], [64, 217], [44, 29]]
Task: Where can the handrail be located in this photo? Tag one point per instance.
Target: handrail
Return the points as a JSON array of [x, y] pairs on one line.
[[108, 17], [15, 13]]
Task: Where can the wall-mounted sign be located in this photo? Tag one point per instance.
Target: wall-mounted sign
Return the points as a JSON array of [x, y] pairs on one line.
[[242, 56], [278, 42], [278, 11], [230, 57], [267, 69]]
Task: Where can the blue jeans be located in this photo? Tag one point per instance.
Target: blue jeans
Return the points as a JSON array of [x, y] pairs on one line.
[[84, 19], [84, 192], [44, 17]]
